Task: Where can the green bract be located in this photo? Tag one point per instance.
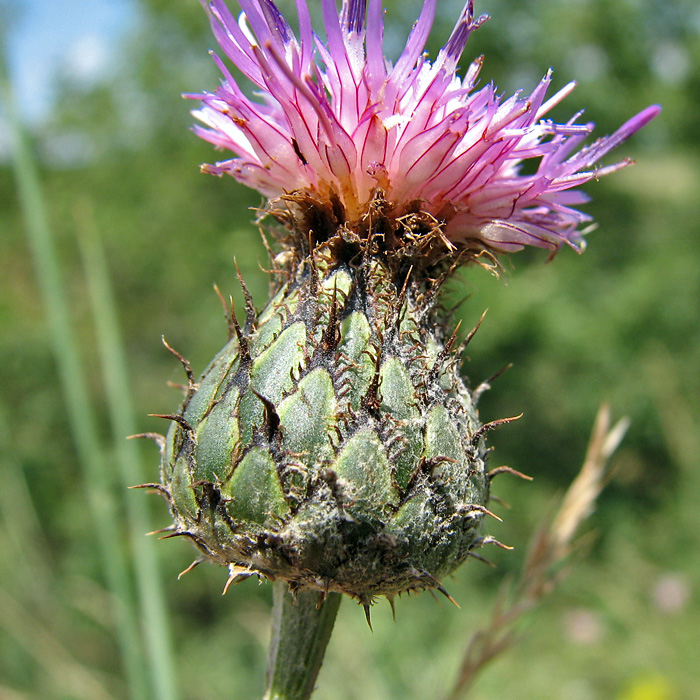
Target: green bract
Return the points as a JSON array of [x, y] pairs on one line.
[[332, 442]]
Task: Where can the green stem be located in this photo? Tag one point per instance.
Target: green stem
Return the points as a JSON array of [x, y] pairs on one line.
[[301, 630]]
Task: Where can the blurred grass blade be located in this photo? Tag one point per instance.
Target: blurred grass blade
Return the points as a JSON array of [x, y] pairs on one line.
[[69, 676], [116, 377], [23, 538], [99, 485], [550, 549]]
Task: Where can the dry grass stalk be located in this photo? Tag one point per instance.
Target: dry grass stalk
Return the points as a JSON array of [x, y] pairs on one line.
[[549, 551]]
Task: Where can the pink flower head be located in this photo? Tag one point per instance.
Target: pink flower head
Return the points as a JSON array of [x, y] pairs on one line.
[[338, 120]]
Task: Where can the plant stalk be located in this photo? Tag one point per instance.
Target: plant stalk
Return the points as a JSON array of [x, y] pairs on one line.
[[81, 413], [301, 630]]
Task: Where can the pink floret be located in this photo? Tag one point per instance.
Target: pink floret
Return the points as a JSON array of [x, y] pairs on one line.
[[337, 119]]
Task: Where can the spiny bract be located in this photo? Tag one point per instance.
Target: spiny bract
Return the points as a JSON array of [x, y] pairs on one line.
[[332, 442]]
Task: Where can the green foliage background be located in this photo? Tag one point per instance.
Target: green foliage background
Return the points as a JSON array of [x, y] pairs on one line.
[[618, 324]]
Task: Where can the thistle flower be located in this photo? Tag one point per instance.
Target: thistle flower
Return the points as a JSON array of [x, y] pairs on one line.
[[339, 122], [333, 443]]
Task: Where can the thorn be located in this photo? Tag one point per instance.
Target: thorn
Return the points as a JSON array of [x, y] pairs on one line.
[[275, 271], [500, 501], [435, 369], [447, 595], [314, 279], [471, 334], [338, 432], [157, 488], [331, 336], [266, 245], [450, 342], [181, 387], [243, 347], [390, 598], [272, 419], [234, 328], [486, 385], [438, 586], [367, 250], [235, 572], [484, 510], [372, 400], [227, 313], [229, 581], [507, 470], [492, 540], [402, 294], [159, 439], [367, 616], [491, 425], [451, 310], [250, 313], [175, 534], [483, 560], [170, 528], [177, 419], [191, 385], [334, 447], [195, 563]]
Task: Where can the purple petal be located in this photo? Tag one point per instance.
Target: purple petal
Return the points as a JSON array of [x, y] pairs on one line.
[[334, 117]]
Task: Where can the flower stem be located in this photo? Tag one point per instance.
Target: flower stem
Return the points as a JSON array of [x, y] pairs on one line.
[[301, 630]]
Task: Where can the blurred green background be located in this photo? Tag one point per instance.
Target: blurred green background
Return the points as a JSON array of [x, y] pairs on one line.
[[618, 324]]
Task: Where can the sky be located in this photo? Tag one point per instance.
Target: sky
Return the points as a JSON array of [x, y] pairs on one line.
[[50, 37], [80, 38]]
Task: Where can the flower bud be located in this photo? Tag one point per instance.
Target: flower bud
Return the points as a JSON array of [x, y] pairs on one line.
[[333, 444]]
